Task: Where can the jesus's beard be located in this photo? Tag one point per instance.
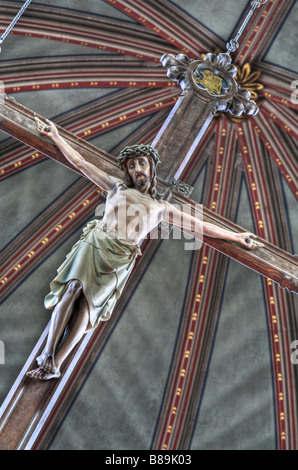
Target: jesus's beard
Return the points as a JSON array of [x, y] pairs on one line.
[[141, 182]]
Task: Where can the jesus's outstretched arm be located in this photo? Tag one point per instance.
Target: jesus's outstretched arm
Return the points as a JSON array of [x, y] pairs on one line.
[[93, 173], [188, 223]]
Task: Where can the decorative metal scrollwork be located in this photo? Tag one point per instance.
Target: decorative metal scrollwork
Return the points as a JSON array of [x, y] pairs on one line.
[[212, 79], [182, 188]]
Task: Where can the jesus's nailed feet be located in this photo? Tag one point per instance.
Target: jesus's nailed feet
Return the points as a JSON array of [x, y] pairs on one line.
[[46, 370]]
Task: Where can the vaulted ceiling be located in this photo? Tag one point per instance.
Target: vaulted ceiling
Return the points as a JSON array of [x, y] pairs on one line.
[[198, 354]]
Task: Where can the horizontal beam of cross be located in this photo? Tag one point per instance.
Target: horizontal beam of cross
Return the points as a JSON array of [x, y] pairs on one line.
[[269, 261]]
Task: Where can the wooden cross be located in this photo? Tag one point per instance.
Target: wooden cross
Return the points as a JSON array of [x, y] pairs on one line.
[[29, 413]]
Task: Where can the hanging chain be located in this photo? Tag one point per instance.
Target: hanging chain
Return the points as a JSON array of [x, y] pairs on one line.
[[232, 45], [6, 33]]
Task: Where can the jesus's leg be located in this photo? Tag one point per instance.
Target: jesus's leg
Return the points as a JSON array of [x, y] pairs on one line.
[[77, 328], [60, 318]]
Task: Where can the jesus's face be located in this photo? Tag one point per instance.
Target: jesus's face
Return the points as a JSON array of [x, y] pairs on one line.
[[140, 172]]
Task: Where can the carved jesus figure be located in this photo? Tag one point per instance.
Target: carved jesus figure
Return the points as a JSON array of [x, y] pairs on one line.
[[92, 277]]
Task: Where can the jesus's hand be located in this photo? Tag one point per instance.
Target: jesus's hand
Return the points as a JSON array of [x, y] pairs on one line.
[[49, 129], [247, 239]]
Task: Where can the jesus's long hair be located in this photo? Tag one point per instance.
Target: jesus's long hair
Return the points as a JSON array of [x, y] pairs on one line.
[[135, 151]]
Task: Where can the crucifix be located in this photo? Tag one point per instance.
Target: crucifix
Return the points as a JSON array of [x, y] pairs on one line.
[[207, 86]]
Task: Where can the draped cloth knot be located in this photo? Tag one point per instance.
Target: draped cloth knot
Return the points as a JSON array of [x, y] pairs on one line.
[[102, 262]]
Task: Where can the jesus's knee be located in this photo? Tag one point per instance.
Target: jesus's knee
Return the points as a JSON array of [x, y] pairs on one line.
[[74, 288]]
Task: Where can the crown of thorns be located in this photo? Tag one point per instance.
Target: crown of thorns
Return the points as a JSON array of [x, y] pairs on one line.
[[134, 151]]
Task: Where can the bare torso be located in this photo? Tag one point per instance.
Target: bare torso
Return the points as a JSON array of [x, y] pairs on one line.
[[131, 213]]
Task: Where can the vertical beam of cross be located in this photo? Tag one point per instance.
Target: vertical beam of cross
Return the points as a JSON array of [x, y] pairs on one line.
[[208, 86]]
